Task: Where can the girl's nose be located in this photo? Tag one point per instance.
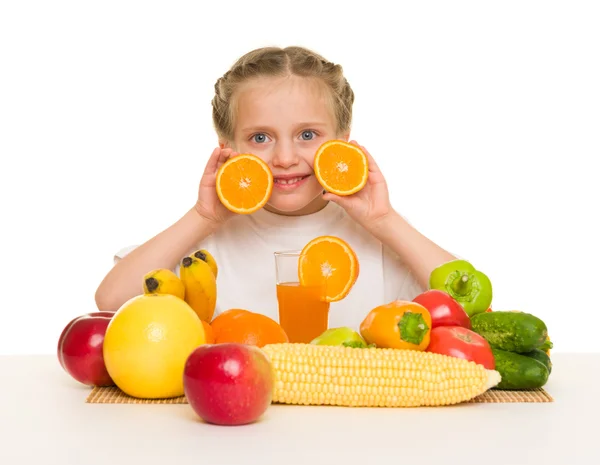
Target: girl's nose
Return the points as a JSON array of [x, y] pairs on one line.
[[285, 156]]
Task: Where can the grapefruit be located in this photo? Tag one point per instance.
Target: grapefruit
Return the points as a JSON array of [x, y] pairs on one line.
[[147, 343]]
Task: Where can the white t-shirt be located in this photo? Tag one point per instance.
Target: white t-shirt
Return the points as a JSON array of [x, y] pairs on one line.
[[244, 247]]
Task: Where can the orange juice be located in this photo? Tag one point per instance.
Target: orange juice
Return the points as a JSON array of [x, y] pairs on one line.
[[302, 313]]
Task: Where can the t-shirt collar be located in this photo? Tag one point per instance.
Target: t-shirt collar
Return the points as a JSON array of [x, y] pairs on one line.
[[323, 218]]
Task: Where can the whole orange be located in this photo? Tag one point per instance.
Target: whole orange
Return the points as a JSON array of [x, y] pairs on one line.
[[224, 319], [208, 333], [251, 328]]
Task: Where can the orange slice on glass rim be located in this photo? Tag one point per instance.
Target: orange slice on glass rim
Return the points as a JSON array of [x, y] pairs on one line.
[[244, 183], [330, 263], [341, 168]]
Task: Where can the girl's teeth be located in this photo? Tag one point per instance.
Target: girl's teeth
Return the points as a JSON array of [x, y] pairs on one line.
[[288, 181]]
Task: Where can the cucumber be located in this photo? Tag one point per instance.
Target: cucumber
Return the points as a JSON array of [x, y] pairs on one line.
[[540, 356], [519, 371], [512, 331]]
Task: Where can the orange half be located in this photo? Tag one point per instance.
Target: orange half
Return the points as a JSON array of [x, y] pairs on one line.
[[244, 183], [330, 263], [341, 168]]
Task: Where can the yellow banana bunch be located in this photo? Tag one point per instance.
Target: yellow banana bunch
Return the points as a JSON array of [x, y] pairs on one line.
[[204, 255], [163, 281], [200, 286]]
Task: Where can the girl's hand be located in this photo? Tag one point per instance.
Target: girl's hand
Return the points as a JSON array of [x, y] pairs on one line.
[[208, 204], [371, 204]]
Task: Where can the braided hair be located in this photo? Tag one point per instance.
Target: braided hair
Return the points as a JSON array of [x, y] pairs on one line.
[[274, 62]]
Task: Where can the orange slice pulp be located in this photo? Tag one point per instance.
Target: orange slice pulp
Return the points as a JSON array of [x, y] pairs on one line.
[[341, 168], [244, 183], [330, 263]]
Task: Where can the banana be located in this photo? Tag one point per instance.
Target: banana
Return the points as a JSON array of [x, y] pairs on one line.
[[200, 286], [204, 255], [163, 281]]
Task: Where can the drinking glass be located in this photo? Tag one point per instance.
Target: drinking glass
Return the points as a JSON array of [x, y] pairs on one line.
[[303, 313]]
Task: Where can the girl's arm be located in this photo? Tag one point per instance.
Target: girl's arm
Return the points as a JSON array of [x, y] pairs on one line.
[[418, 252], [164, 250]]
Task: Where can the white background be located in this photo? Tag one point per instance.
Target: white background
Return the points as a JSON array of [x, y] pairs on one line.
[[484, 117]]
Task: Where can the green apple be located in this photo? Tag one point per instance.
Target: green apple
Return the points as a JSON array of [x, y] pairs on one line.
[[343, 336]]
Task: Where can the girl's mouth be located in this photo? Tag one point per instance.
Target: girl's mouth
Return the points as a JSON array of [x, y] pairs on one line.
[[287, 184]]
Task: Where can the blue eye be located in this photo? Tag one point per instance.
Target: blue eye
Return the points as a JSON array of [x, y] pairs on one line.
[[259, 138], [308, 135]]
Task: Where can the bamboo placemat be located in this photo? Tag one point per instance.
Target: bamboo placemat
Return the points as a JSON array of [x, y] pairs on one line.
[[113, 395]]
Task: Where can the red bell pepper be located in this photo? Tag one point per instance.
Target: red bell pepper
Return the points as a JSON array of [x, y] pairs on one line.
[[444, 310]]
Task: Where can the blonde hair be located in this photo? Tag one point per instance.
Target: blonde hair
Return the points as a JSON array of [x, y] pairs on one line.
[[276, 62]]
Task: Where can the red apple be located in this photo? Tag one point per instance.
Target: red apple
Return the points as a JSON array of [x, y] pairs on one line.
[[444, 310], [228, 383], [80, 348], [460, 342]]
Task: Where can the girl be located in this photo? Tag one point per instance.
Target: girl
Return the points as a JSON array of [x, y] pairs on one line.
[[281, 105]]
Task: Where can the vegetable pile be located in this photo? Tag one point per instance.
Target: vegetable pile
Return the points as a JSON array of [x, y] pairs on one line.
[[454, 318]]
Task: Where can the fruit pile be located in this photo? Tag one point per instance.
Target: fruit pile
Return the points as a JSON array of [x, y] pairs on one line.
[[444, 347], [165, 343]]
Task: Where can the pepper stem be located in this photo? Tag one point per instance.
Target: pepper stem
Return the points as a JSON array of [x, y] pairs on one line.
[[461, 285], [412, 327]]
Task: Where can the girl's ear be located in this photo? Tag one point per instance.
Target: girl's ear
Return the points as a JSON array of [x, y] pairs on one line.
[[346, 136]]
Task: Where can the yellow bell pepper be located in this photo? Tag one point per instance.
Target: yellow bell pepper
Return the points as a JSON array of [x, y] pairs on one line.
[[398, 325]]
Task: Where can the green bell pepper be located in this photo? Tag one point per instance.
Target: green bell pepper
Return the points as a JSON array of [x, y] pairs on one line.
[[468, 286], [340, 337]]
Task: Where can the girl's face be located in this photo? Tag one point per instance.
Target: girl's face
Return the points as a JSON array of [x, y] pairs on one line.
[[284, 121]]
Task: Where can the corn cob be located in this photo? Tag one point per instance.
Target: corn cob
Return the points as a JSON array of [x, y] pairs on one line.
[[308, 374]]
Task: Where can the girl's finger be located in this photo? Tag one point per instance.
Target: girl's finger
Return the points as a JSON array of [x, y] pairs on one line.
[[226, 154], [212, 163], [343, 202]]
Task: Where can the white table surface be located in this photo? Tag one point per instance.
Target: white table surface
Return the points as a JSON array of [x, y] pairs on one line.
[[44, 419]]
